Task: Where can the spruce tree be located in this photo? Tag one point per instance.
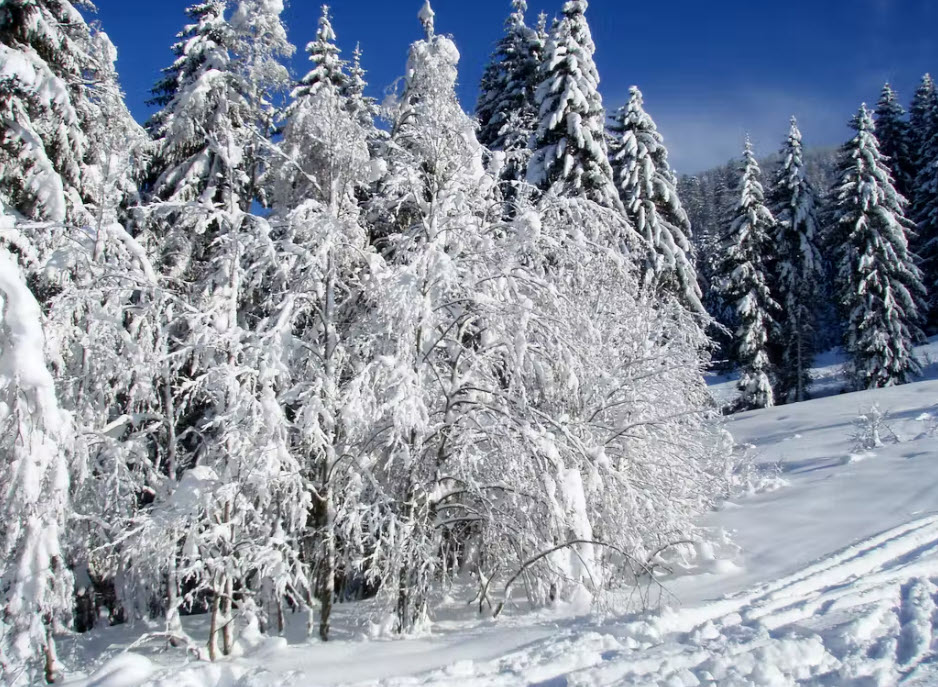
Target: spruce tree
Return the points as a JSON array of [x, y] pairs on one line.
[[324, 54], [506, 108], [745, 284], [895, 141], [799, 268], [364, 107], [50, 62], [878, 284], [922, 118], [648, 191], [924, 202], [570, 156]]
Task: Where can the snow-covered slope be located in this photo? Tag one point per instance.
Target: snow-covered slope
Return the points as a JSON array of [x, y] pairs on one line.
[[833, 583]]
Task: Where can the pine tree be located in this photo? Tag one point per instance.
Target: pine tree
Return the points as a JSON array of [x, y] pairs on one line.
[[878, 284], [922, 118], [50, 61], [746, 286], [648, 191], [924, 206], [569, 143], [799, 270], [35, 436], [324, 54], [895, 141], [506, 108], [365, 108]]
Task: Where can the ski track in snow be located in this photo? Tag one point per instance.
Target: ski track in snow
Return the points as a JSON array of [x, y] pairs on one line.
[[864, 616]]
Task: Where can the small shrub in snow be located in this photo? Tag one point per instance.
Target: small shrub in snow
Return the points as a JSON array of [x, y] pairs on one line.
[[871, 428]]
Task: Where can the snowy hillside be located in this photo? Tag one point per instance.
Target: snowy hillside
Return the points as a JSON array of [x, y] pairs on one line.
[[831, 579]]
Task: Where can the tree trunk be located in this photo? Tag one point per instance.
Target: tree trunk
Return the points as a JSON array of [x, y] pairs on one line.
[[228, 628], [213, 628], [49, 652]]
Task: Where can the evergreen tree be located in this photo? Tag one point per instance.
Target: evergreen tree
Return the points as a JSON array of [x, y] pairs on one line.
[[324, 54], [745, 283], [924, 207], [51, 64], [569, 143], [922, 118], [878, 284], [799, 269], [648, 191], [364, 107], [35, 437], [506, 108], [895, 141]]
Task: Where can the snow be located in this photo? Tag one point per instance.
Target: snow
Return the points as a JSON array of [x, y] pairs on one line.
[[830, 580]]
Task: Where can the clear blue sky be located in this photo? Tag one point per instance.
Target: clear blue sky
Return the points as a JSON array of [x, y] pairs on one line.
[[710, 70]]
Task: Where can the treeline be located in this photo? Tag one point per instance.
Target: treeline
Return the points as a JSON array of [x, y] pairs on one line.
[[255, 359], [840, 250]]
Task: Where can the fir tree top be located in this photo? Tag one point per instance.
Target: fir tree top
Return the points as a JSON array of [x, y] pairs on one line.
[[506, 90], [752, 193], [894, 134], [923, 108], [324, 54], [648, 191], [570, 150]]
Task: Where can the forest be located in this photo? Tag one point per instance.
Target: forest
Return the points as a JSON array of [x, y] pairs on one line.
[[282, 346]]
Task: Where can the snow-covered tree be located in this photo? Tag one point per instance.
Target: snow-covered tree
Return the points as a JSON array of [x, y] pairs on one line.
[[878, 284], [212, 147], [35, 438], [506, 108], [895, 141], [326, 266], [648, 190], [433, 200], [324, 54], [47, 53], [745, 282], [364, 107], [569, 145], [922, 118], [799, 268], [924, 206]]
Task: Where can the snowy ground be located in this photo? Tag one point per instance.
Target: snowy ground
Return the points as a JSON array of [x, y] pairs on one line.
[[835, 582]]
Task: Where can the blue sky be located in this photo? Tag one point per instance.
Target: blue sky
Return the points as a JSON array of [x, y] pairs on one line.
[[711, 71]]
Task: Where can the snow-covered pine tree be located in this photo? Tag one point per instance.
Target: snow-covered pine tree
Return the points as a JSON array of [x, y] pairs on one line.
[[44, 53], [648, 191], [364, 107], [878, 284], [923, 210], [47, 54], [569, 143], [35, 437], [895, 141], [506, 108], [745, 282], [799, 268], [921, 118], [324, 54]]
